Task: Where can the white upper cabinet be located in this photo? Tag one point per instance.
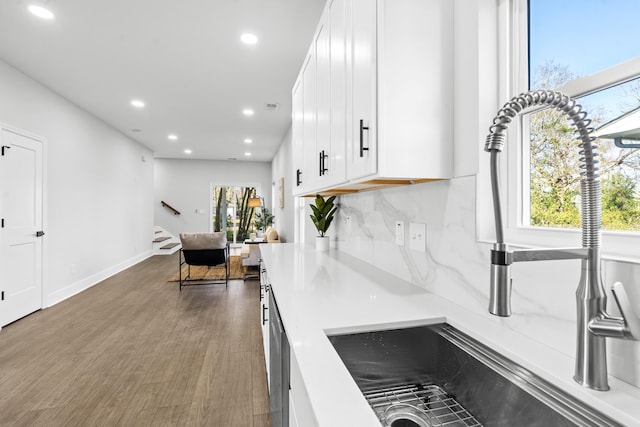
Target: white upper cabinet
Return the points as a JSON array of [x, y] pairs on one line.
[[303, 132], [297, 134], [362, 146], [333, 70], [320, 95], [415, 89], [309, 126], [380, 110], [323, 101]]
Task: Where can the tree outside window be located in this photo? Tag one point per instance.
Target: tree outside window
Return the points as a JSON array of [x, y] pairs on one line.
[[231, 212], [554, 166]]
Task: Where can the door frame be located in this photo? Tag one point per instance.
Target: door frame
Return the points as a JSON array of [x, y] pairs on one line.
[[43, 141]]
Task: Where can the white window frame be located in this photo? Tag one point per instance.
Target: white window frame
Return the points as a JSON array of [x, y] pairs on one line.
[[623, 246]]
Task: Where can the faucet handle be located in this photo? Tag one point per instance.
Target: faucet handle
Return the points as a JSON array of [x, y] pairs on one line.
[[631, 321]]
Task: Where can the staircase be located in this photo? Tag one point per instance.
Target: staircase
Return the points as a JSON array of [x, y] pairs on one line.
[[164, 243]]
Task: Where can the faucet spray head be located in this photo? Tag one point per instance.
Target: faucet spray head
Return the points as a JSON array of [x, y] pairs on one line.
[[494, 141], [500, 286]]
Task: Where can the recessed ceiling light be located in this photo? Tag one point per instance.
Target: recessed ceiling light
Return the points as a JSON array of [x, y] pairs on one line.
[[137, 103], [173, 137], [248, 38], [187, 151], [41, 12], [247, 112], [247, 154], [248, 141]]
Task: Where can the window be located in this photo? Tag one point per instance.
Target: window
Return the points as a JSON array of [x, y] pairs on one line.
[[231, 212], [587, 49]]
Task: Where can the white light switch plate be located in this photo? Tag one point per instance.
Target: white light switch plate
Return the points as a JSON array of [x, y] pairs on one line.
[[400, 233], [418, 237]]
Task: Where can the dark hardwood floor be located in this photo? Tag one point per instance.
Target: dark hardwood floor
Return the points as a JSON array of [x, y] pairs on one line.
[[135, 351]]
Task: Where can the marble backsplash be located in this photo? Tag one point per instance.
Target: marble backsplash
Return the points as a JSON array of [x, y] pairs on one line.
[[456, 266]]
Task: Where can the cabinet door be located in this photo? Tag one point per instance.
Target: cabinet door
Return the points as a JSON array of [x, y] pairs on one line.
[[297, 134], [264, 315], [299, 401], [310, 170], [362, 126], [338, 91], [323, 103]]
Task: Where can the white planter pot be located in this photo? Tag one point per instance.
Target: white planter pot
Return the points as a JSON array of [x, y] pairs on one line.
[[322, 243]]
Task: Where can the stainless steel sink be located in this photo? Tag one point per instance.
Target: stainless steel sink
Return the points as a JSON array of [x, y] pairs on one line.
[[437, 376]]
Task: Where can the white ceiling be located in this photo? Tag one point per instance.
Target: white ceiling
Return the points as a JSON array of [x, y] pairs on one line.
[[184, 58]]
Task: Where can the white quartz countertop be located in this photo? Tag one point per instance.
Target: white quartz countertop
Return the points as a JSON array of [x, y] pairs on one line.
[[323, 293]]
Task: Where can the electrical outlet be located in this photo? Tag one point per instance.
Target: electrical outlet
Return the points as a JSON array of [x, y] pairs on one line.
[[400, 233], [418, 237]]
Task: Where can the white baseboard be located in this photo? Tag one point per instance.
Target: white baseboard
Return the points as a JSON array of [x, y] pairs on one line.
[[81, 285]]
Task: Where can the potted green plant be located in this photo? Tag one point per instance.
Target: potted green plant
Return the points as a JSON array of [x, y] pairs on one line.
[[322, 215], [264, 219]]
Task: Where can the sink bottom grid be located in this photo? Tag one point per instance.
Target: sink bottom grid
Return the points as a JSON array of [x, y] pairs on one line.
[[421, 405]]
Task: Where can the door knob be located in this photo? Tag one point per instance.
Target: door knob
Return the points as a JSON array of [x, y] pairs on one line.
[[39, 233]]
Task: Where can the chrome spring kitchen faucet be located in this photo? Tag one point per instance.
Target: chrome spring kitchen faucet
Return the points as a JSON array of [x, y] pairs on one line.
[[594, 324]]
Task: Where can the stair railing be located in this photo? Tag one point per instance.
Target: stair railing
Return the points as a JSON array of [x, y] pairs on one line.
[[171, 208]]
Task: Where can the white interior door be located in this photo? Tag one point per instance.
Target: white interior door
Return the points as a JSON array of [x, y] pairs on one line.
[[21, 197]]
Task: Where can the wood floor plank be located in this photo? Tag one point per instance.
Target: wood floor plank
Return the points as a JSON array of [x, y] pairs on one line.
[[262, 420], [110, 409], [134, 350], [259, 389], [170, 416]]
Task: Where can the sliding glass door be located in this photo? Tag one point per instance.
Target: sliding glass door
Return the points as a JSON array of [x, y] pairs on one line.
[[231, 212]]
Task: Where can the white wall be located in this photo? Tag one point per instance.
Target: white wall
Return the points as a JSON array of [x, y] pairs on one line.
[[99, 207], [281, 167], [186, 185], [457, 267]]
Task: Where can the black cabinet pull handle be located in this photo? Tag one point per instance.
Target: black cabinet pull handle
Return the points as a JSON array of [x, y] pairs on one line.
[[323, 168], [298, 180], [320, 163], [362, 147], [264, 312]]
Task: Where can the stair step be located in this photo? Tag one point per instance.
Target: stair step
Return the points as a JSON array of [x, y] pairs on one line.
[[169, 246], [161, 239]]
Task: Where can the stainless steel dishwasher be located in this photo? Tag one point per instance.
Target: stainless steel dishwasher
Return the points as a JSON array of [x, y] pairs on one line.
[[278, 367]]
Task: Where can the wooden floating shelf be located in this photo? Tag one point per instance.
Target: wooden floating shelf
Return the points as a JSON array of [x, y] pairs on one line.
[[373, 184]]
